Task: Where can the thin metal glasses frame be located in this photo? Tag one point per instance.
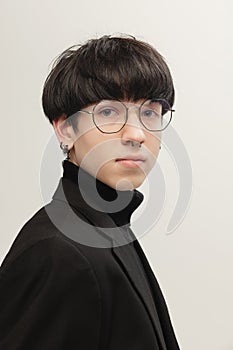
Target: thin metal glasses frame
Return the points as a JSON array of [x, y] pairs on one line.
[[126, 118]]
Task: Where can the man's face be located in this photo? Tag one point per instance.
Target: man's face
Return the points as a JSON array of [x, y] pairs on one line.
[[99, 153]]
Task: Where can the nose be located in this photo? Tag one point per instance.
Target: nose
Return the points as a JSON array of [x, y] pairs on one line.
[[133, 129]]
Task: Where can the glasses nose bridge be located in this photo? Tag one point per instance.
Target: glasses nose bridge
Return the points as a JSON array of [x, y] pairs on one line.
[[137, 111]]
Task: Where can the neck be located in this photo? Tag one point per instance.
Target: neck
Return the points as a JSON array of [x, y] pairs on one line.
[[120, 205]]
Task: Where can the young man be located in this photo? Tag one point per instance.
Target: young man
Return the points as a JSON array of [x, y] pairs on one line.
[[76, 277]]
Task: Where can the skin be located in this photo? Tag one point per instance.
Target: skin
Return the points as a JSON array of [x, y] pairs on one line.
[[97, 152]]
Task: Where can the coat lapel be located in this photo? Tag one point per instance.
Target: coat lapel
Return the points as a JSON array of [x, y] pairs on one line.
[[127, 260], [160, 302]]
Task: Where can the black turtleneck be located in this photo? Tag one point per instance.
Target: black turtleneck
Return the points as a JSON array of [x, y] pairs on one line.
[[89, 184], [128, 201]]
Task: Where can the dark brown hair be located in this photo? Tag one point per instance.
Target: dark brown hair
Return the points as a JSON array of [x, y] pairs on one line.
[[106, 68]]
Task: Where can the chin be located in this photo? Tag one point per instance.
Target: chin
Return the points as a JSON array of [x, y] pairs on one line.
[[125, 184]]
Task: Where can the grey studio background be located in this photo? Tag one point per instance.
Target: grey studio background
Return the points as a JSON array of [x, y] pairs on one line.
[[194, 263]]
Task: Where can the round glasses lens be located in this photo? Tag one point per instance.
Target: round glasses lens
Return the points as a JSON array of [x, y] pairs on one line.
[[155, 115], [109, 116]]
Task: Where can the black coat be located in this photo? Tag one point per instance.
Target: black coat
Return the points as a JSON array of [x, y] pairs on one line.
[[57, 293]]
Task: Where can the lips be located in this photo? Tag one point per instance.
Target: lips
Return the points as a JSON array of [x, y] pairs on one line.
[[131, 161], [132, 157]]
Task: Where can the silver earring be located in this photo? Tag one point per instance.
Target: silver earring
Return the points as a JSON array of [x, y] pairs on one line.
[[65, 149]]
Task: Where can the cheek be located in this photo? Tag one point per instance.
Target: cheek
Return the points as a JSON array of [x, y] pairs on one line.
[[93, 150], [153, 143], [83, 144]]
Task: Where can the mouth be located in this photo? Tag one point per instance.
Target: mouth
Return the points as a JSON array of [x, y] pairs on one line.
[[131, 162]]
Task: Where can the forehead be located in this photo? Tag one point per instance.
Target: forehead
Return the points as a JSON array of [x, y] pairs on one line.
[[127, 103]]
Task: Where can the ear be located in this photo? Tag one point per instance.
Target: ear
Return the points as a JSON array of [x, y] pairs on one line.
[[64, 131]]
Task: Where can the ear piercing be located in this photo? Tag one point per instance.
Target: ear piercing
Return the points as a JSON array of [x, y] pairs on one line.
[[65, 149]]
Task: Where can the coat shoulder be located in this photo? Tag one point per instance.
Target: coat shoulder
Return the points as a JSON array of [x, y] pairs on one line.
[[48, 290], [43, 238]]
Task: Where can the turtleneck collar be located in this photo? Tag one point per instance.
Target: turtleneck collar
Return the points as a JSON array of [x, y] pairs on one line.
[[119, 205]]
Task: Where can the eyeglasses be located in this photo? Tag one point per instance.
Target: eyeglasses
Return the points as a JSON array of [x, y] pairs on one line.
[[110, 116]]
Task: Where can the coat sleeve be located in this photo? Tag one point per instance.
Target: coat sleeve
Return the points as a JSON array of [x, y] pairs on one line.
[[49, 299]]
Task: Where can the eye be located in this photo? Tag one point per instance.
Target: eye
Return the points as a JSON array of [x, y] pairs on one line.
[[107, 112], [149, 113]]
